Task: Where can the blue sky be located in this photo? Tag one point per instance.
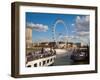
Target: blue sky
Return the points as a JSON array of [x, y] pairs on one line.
[[76, 24]]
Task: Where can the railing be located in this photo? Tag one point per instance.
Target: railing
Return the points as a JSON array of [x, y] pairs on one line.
[[39, 54]]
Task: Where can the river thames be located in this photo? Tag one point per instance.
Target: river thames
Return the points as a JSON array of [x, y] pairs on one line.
[[64, 58]]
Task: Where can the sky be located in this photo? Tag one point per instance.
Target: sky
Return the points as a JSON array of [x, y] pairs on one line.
[[70, 27]]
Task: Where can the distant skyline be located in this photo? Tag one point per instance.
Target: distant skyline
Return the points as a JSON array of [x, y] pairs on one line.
[[42, 23]]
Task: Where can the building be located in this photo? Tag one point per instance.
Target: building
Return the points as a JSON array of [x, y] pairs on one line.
[[29, 43]]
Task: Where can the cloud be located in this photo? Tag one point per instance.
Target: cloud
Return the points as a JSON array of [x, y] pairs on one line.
[[82, 33], [81, 26], [73, 24], [82, 23], [76, 38], [82, 39], [38, 27]]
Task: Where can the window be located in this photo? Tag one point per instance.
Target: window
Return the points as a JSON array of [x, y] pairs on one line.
[[35, 65], [51, 59], [29, 66], [43, 62], [48, 61]]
